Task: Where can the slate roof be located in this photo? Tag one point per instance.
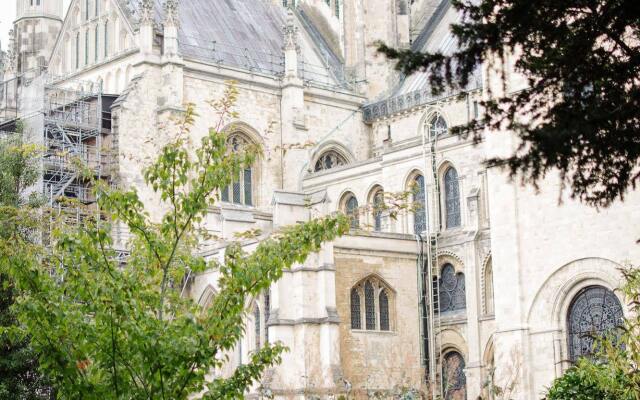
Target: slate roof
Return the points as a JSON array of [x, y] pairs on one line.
[[246, 34]]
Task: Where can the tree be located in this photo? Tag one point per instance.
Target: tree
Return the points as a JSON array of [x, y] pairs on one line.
[[104, 330], [19, 375], [580, 111]]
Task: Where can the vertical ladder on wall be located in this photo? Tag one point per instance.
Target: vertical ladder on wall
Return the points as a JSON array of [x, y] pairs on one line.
[[430, 275]]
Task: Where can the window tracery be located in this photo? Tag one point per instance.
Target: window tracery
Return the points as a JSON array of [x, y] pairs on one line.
[[594, 311], [451, 290], [352, 211], [437, 126], [375, 307], [454, 380], [378, 209], [240, 191], [452, 198], [328, 160], [419, 200]]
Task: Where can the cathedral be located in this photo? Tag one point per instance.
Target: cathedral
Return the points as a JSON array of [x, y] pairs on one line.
[[486, 283]]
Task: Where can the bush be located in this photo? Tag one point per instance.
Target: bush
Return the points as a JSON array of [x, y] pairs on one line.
[[589, 381]]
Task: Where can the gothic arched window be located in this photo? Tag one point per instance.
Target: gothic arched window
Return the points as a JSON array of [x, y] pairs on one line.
[[328, 160], [451, 289], [86, 47], [594, 311], [454, 381], [356, 320], [256, 325], [419, 200], [240, 191], [371, 298], [437, 126], [378, 208], [452, 198], [351, 209]]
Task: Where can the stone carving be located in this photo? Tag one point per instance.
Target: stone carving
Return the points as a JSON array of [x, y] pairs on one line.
[[146, 11], [171, 13], [290, 33]]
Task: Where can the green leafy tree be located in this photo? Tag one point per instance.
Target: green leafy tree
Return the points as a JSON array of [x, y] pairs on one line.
[[579, 113], [19, 375], [109, 331]]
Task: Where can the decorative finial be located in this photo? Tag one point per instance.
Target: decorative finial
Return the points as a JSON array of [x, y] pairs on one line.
[[290, 32], [171, 12], [146, 11]]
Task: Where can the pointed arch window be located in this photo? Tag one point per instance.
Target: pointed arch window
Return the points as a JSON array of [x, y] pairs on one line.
[[594, 311], [419, 200], [451, 290], [454, 381], [240, 191], [328, 160], [452, 198], [352, 211], [378, 209], [372, 299], [437, 126]]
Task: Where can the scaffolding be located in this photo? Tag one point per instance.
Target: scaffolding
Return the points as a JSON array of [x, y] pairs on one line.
[[72, 123], [429, 273]]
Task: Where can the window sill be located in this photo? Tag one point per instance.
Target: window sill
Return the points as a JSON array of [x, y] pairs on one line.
[[364, 331]]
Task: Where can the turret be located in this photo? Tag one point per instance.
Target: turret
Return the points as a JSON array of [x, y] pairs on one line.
[[37, 25]]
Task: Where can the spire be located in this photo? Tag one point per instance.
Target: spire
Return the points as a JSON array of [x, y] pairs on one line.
[[146, 12], [171, 13], [290, 33]]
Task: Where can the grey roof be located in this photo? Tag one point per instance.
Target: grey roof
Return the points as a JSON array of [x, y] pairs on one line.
[[246, 34]]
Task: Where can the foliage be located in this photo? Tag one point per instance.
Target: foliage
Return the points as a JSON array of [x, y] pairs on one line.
[[587, 381], [579, 111], [104, 330], [19, 375]]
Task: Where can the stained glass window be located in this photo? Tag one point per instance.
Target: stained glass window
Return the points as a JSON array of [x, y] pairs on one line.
[[256, 321], [369, 306], [383, 305], [437, 126], [241, 190], [328, 160], [451, 290], [77, 50], [95, 42], [420, 213], [594, 311], [351, 209], [452, 198], [378, 208], [356, 322], [453, 378]]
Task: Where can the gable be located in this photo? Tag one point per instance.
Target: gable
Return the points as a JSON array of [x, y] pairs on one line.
[[82, 42]]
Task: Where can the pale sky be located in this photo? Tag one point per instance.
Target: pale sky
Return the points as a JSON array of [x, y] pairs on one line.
[[8, 15]]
